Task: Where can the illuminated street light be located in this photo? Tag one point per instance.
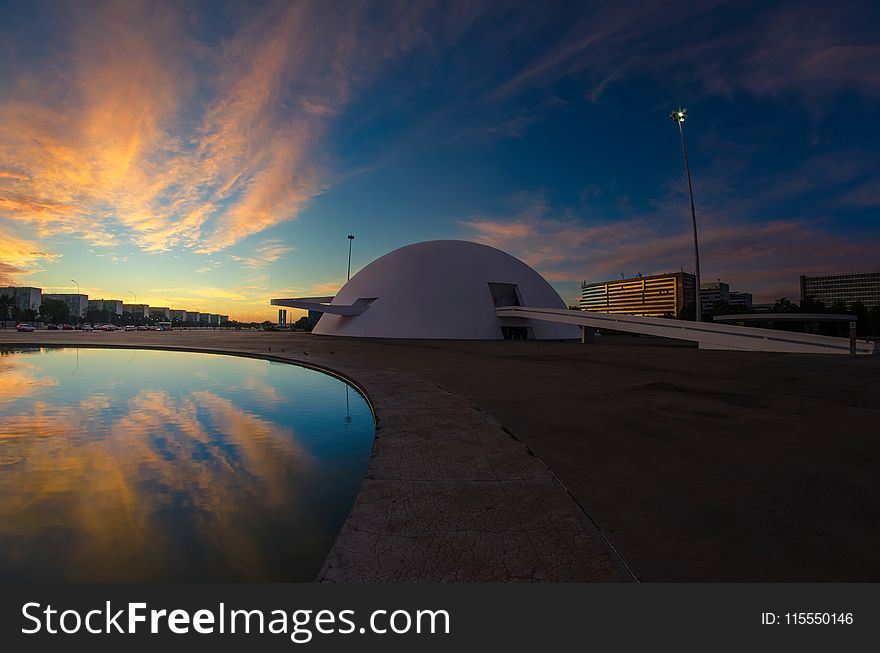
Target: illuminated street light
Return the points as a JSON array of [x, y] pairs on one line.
[[678, 116]]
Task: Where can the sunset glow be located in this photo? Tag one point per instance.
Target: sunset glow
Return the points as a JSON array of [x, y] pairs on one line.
[[211, 156]]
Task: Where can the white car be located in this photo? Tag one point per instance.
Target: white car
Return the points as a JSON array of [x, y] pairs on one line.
[[25, 328]]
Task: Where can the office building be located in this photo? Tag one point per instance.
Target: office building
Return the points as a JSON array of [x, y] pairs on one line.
[[160, 312], [861, 287], [740, 299], [652, 296], [140, 310], [718, 291], [176, 315], [192, 317], [714, 291], [112, 306], [77, 304], [25, 297]]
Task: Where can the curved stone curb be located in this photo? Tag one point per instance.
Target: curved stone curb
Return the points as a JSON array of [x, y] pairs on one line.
[[448, 494]]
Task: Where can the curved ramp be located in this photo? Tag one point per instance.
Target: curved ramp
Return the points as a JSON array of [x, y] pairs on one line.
[[708, 335]]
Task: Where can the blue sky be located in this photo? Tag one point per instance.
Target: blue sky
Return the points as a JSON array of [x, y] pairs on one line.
[[213, 155]]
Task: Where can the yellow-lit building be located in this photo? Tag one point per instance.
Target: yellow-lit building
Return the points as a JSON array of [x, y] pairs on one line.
[[658, 295]]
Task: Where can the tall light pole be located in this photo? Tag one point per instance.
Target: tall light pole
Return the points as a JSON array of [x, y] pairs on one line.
[[132, 306], [78, 316], [679, 116], [350, 238]]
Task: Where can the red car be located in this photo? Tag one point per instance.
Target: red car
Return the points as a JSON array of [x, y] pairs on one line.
[[67, 327]]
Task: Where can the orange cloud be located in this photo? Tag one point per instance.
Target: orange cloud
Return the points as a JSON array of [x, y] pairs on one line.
[[152, 135], [19, 257], [267, 252]]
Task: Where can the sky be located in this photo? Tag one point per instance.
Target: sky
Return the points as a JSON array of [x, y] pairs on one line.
[[213, 155]]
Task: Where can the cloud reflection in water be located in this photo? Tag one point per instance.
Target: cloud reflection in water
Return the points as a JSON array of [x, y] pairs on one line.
[[172, 466]]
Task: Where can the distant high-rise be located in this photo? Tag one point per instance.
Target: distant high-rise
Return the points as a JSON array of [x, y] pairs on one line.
[[847, 288], [653, 296]]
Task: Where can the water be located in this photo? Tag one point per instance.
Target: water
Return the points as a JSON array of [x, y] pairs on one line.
[[137, 465]]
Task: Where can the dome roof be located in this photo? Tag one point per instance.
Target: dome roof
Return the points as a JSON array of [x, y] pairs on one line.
[[443, 289]]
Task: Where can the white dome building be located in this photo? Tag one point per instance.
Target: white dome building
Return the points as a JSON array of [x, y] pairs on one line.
[[441, 289]]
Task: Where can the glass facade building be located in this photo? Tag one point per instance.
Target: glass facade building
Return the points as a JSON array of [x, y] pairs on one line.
[[658, 295], [847, 288]]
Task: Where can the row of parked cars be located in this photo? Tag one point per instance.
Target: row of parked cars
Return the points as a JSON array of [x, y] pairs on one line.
[[27, 328]]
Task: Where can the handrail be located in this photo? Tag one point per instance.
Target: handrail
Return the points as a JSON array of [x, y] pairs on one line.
[[707, 334]]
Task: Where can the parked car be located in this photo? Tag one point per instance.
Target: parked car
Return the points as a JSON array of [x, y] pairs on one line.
[[66, 327], [27, 328], [52, 327], [130, 327]]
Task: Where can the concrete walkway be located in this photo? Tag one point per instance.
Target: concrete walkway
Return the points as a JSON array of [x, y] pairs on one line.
[[449, 495]]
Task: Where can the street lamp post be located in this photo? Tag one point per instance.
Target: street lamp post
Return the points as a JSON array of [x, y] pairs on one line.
[[350, 238], [679, 116], [78, 311], [132, 306]]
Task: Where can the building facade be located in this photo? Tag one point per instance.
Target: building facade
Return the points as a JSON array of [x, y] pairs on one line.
[[140, 310], [160, 312], [192, 317], [847, 288], [713, 291], [718, 291], [112, 306], [25, 297], [741, 299], [657, 295], [176, 315], [77, 304]]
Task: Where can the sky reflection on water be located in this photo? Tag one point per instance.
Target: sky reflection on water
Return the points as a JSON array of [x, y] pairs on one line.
[[137, 465]]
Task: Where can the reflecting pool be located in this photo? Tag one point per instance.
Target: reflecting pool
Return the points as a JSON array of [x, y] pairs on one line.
[[138, 465]]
